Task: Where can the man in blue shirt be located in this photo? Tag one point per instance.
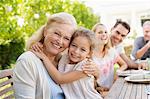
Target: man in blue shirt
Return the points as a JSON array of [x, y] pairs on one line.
[[141, 48]]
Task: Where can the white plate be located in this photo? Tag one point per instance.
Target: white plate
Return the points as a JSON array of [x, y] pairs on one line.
[[131, 72], [139, 78]]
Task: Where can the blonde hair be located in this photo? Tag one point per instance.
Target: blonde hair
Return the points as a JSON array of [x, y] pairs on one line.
[[108, 45], [62, 18]]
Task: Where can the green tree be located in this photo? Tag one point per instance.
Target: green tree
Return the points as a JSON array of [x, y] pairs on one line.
[[20, 18]]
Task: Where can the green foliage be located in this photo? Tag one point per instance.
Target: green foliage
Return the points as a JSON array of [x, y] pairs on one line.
[[10, 51], [11, 35], [20, 18]]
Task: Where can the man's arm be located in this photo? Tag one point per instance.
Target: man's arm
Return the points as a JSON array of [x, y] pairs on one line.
[[129, 62], [143, 50]]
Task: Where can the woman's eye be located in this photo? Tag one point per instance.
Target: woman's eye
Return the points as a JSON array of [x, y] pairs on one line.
[[57, 33]]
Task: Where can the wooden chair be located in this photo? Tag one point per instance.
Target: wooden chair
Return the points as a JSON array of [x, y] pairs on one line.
[[6, 82]]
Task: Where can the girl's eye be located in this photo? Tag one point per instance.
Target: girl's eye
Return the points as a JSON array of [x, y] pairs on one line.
[[66, 38], [73, 45], [100, 32], [83, 50]]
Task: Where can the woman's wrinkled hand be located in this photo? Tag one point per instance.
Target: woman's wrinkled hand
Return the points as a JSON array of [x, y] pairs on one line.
[[90, 68]]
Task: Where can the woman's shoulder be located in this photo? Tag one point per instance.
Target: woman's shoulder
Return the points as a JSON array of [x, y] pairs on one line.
[[28, 55]]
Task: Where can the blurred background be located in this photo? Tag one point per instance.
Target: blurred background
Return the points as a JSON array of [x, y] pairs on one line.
[[19, 19]]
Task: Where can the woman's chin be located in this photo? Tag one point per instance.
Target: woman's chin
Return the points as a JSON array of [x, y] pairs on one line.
[[53, 51]]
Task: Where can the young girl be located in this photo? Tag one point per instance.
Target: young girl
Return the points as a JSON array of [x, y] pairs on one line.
[[105, 57], [74, 82]]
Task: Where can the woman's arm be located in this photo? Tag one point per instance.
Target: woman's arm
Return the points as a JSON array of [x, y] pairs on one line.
[[122, 64]]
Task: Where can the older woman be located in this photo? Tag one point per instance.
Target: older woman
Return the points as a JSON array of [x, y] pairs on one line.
[[31, 80]]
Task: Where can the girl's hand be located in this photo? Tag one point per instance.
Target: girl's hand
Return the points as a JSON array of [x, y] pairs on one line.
[[39, 53], [36, 46], [90, 68]]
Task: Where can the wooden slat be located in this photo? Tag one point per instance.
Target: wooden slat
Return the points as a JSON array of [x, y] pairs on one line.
[[139, 91], [6, 90], [5, 73], [123, 92], [116, 89], [8, 81], [9, 96], [128, 92], [144, 94], [133, 92]]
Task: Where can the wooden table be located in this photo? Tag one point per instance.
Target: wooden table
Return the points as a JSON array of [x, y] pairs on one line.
[[125, 90]]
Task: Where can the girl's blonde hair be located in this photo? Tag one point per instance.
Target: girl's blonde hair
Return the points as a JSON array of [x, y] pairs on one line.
[[90, 35], [108, 45], [62, 18]]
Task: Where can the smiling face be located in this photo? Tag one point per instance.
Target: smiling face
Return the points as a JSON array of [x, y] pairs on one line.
[[146, 31], [118, 34], [57, 37], [101, 34], [79, 49]]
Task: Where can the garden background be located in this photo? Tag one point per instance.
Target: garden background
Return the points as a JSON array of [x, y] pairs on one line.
[[19, 19]]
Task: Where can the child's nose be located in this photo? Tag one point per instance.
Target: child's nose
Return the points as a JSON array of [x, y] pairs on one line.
[[77, 50]]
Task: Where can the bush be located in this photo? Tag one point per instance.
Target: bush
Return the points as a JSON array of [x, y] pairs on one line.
[[9, 52], [20, 18]]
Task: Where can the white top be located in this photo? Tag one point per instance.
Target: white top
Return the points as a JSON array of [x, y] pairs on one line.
[[120, 49], [106, 66], [80, 89], [31, 80]]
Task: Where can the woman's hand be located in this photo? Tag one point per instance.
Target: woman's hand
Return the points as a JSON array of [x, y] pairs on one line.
[[90, 68], [36, 46]]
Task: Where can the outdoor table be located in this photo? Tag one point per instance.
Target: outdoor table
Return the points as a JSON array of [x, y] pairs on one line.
[[122, 89]]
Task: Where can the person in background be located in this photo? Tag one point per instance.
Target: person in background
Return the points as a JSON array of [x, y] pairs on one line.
[[118, 33], [30, 78], [105, 56], [141, 48], [73, 81]]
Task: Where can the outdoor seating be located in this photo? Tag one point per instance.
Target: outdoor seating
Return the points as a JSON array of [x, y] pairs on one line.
[[6, 82]]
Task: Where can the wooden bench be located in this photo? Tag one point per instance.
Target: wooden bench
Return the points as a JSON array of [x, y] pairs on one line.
[[6, 82]]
